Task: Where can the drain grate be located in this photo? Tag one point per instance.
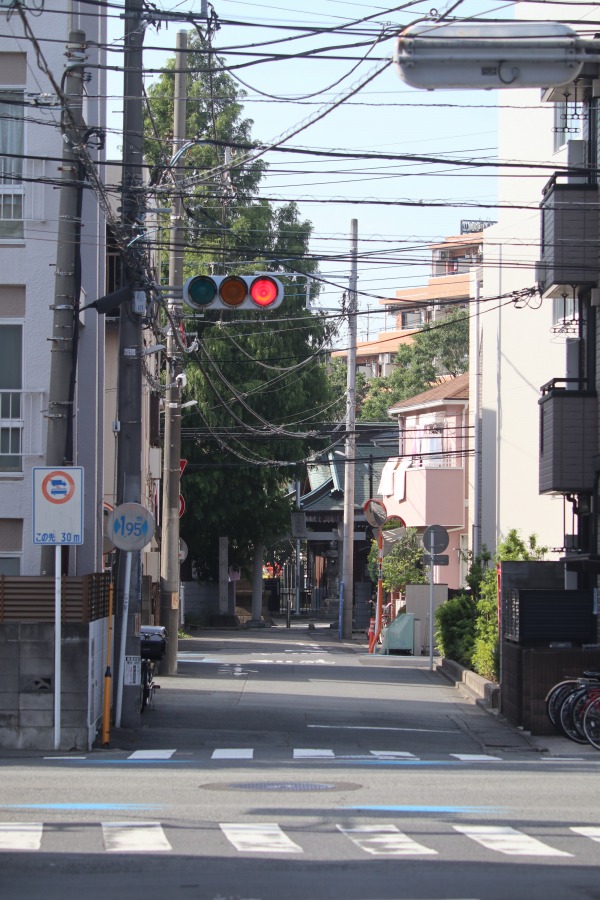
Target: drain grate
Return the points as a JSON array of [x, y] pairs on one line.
[[284, 786]]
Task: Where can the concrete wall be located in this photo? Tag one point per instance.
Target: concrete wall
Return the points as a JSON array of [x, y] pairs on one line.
[[27, 685]]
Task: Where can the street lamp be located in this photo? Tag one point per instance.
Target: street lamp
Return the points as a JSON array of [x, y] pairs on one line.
[[491, 55]]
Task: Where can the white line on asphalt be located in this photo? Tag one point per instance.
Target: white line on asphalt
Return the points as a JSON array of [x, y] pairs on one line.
[[392, 754], [304, 753], [504, 839], [475, 757], [134, 837], [589, 831], [385, 840], [259, 838], [21, 837], [386, 728], [232, 753], [151, 754]]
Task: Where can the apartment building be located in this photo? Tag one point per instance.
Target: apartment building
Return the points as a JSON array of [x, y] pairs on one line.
[[533, 358], [30, 159], [448, 287]]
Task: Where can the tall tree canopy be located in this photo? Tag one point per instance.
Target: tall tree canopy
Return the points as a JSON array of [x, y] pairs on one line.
[[259, 378], [441, 349]]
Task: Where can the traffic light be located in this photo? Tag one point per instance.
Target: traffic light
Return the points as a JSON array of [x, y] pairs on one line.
[[258, 291]]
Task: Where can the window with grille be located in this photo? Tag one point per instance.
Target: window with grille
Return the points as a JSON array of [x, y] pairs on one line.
[[11, 397], [11, 164]]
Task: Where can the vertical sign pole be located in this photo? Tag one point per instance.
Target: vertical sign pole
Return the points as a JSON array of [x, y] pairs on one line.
[[125, 613], [379, 612], [431, 613], [57, 642]]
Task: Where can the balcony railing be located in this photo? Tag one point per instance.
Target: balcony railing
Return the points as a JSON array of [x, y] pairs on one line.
[[568, 436], [21, 427], [569, 238]]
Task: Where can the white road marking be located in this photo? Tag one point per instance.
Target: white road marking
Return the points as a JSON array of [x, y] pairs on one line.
[[385, 840], [392, 754], [504, 839], [387, 728], [151, 754], [304, 753], [259, 838], [134, 837], [233, 753], [589, 831], [475, 757], [21, 837]]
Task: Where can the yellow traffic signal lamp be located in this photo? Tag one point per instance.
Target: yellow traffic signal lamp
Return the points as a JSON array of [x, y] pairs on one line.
[[255, 292]]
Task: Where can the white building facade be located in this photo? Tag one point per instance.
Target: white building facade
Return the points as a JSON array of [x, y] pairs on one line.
[[519, 344], [30, 156]]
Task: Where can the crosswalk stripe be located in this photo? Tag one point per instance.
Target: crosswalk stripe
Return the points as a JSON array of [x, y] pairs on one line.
[[385, 840], [474, 757], [151, 754], [21, 837], [304, 753], [233, 753], [259, 838], [504, 839], [392, 754], [589, 831], [134, 837]]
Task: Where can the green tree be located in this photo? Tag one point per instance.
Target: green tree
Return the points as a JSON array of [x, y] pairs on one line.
[[441, 349], [260, 384], [402, 565]]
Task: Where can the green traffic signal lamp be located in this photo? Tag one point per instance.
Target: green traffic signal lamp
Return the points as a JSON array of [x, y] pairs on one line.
[[259, 291]]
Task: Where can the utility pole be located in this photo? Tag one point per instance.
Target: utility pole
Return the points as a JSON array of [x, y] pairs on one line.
[[169, 556], [348, 536], [129, 392], [66, 302]]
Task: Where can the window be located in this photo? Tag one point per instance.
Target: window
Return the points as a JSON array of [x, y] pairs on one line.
[[11, 397], [11, 164], [567, 122], [10, 565], [565, 315]]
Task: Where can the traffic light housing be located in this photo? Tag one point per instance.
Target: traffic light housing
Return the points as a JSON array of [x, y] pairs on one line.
[[260, 291]]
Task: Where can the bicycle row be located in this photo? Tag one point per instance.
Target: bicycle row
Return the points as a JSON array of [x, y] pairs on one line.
[[573, 707]]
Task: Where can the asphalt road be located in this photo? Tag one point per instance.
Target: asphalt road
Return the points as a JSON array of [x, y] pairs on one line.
[[286, 765]]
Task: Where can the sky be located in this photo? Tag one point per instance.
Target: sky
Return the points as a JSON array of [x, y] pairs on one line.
[[389, 198]]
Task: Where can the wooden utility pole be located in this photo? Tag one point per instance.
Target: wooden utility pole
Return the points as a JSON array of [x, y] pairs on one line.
[[65, 307]]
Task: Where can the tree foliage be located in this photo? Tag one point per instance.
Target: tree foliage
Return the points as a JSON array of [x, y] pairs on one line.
[[467, 625], [402, 565], [440, 349], [256, 377]]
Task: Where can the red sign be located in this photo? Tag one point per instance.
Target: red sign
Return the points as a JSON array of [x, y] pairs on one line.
[[181, 506], [182, 465]]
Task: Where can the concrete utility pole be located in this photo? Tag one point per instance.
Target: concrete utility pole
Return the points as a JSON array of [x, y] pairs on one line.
[[348, 546], [169, 556], [129, 395], [66, 303]]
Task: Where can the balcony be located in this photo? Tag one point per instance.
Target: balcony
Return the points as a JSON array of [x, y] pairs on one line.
[[568, 437], [569, 238]]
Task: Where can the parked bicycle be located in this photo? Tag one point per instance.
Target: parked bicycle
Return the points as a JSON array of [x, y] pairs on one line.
[[153, 649], [568, 704]]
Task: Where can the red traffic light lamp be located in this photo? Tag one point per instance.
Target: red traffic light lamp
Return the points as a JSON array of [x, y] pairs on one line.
[[259, 291]]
